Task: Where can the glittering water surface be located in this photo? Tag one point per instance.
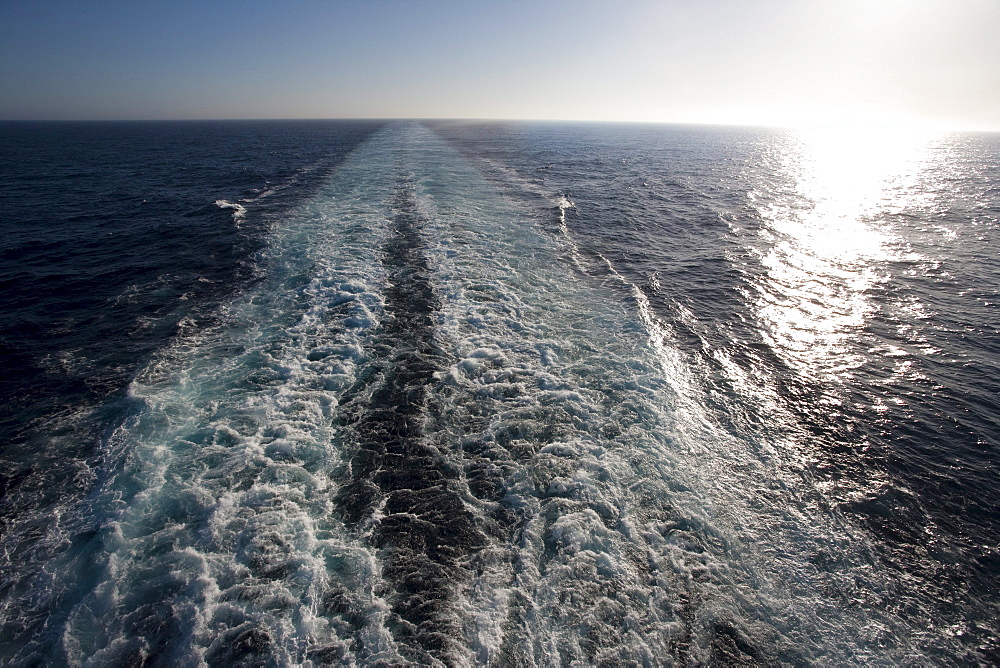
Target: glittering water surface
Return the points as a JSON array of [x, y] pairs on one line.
[[521, 394]]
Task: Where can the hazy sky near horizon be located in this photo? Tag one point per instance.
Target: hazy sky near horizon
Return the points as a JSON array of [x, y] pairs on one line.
[[708, 61]]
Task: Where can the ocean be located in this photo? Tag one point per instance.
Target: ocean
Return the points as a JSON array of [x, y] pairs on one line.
[[470, 393]]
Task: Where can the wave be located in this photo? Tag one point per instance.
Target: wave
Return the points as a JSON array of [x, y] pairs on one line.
[[239, 211]]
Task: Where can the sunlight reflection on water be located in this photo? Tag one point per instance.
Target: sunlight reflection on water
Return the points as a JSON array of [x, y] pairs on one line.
[[828, 242]]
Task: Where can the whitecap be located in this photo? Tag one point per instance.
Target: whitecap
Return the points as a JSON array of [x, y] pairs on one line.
[[239, 211]]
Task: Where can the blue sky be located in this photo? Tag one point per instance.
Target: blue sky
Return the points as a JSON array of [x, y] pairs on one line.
[[711, 61]]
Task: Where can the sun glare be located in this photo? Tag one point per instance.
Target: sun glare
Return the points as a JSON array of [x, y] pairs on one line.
[[828, 239], [848, 169]]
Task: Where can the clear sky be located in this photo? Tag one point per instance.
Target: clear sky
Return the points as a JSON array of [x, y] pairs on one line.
[[705, 61]]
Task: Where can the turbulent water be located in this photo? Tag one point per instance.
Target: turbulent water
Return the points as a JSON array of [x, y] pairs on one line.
[[501, 394]]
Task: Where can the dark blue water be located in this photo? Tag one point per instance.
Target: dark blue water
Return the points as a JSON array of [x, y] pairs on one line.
[[327, 392], [113, 243]]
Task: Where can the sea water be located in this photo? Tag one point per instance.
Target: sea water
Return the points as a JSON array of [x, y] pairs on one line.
[[301, 393]]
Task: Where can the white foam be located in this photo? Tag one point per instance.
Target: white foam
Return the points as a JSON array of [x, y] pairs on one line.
[[239, 211], [229, 477], [628, 469]]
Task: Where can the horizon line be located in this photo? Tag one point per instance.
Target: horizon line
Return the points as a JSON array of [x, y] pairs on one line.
[[470, 119]]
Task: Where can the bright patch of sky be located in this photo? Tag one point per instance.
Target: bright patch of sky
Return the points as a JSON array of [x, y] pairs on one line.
[[707, 61]]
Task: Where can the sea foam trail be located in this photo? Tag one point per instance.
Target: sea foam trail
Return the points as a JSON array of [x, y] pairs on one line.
[[426, 439], [626, 524], [222, 544]]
